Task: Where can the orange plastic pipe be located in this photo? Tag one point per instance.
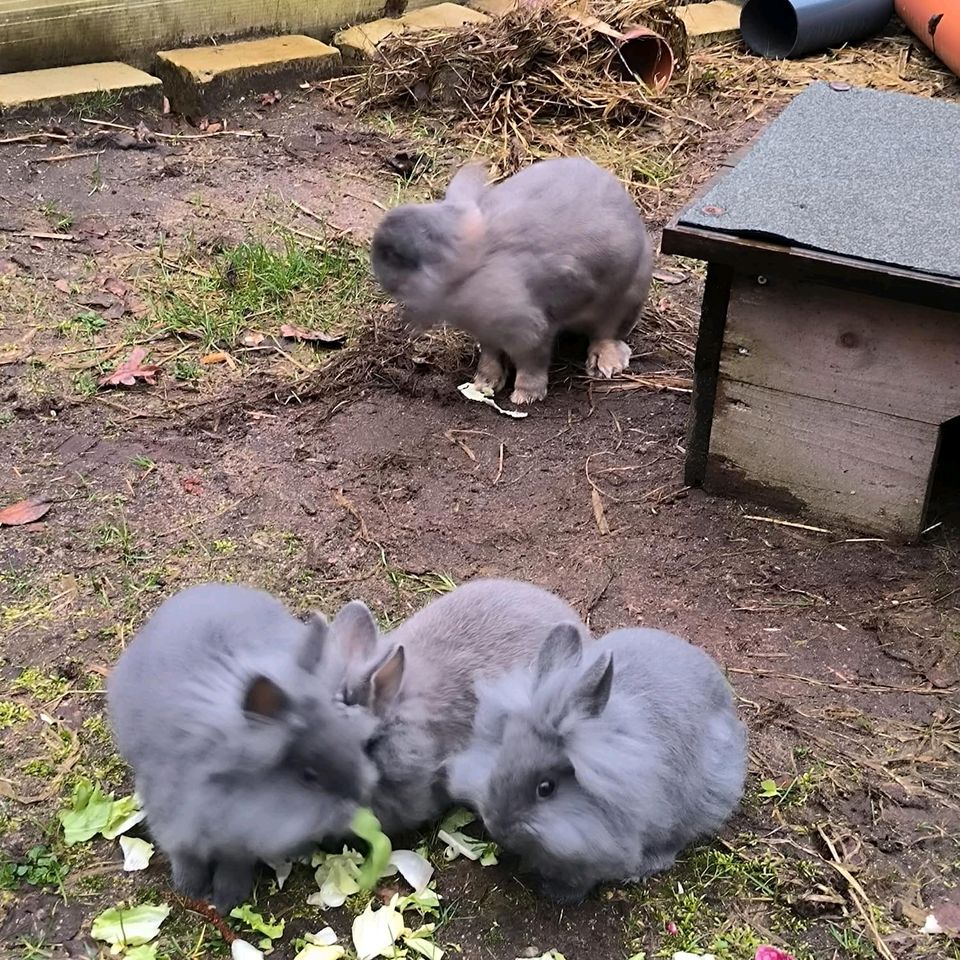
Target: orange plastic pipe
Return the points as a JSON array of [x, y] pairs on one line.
[[936, 24]]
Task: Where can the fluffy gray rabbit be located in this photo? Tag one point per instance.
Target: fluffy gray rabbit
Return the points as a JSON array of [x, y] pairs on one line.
[[604, 764], [240, 750], [558, 246], [418, 680]]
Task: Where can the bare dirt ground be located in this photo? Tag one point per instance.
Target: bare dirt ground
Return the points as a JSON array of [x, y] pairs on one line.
[[324, 475]]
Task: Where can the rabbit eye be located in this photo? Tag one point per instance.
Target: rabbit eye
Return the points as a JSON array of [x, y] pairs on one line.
[[309, 775], [545, 788]]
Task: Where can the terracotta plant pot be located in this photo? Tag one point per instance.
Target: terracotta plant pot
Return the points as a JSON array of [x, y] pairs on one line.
[[641, 52], [936, 23]]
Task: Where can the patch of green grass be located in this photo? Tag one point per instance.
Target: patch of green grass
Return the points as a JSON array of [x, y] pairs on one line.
[[35, 948], [39, 768], [57, 217], [120, 537], [224, 547], [6, 418], [15, 582], [98, 103], [85, 383], [13, 713], [690, 909], [144, 463], [410, 586], [853, 945], [82, 326], [793, 792], [654, 168], [254, 285], [187, 371], [40, 867], [41, 685]]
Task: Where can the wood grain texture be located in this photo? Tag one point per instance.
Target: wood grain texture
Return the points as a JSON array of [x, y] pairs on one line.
[[53, 33], [866, 469], [851, 348]]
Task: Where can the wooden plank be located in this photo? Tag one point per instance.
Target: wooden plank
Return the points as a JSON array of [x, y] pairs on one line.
[[755, 256], [706, 362], [853, 348], [868, 470], [54, 33]]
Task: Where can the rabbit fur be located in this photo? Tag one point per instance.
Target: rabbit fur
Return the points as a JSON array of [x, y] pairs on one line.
[[418, 681], [559, 245], [240, 750], [602, 764]]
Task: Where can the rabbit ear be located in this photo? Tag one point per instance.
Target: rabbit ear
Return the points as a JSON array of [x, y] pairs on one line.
[[264, 700], [356, 630], [468, 184], [386, 680], [592, 692], [563, 647], [311, 653]]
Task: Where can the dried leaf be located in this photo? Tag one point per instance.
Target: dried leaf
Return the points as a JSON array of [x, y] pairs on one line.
[[253, 339], [8, 268], [136, 306], [115, 286], [99, 298], [314, 336], [218, 357], [26, 511], [192, 485], [62, 285], [665, 276], [269, 99], [130, 370], [599, 514]]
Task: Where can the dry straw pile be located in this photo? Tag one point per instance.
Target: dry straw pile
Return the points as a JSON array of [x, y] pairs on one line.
[[537, 62]]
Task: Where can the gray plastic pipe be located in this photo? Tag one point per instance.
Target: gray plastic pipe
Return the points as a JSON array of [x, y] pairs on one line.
[[793, 28]]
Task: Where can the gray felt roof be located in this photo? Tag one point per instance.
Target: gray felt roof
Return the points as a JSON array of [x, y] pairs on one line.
[[856, 172]]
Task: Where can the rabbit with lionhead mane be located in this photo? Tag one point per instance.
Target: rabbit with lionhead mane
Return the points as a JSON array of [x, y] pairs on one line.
[[558, 246], [418, 682], [603, 764], [223, 707]]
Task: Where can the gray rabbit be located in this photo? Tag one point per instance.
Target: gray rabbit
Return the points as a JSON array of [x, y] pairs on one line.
[[418, 681], [558, 246], [240, 750], [603, 764]]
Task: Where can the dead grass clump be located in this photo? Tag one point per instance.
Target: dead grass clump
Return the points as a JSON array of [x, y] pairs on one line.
[[535, 63]]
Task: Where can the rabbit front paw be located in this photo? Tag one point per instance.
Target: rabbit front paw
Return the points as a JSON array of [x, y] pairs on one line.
[[607, 358], [529, 387], [491, 374]]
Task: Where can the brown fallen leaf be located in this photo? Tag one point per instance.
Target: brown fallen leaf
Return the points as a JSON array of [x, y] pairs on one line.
[[8, 268], [665, 276], [62, 285], [130, 370], [253, 338], [26, 511], [218, 357], [313, 336], [116, 286], [98, 298], [269, 99], [192, 485]]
